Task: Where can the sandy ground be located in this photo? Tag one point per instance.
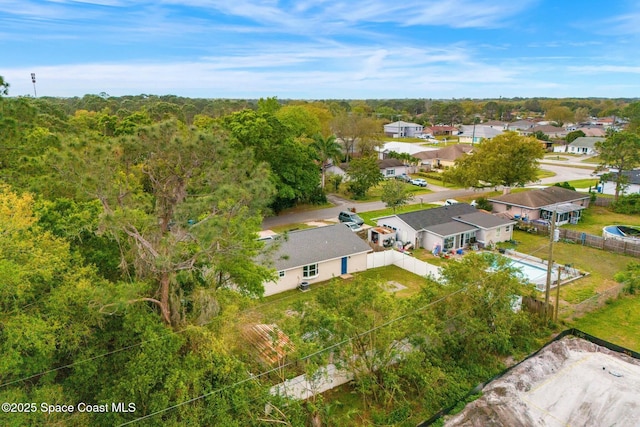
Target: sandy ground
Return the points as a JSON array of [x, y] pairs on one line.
[[572, 382]]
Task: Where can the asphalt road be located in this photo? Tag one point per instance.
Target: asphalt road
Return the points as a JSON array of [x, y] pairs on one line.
[[562, 171]]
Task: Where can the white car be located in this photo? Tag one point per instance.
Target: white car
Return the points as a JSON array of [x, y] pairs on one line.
[[419, 182], [450, 202], [353, 226]]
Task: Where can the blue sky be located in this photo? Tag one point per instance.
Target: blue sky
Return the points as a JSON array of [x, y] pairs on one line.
[[320, 49]]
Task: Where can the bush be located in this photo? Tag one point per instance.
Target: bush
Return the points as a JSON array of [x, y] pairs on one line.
[[483, 203], [629, 205]]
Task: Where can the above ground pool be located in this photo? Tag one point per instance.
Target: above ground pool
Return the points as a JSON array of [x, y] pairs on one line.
[[629, 233]]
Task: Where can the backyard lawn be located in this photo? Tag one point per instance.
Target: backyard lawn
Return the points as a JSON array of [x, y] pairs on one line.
[[617, 322], [601, 265], [596, 217]]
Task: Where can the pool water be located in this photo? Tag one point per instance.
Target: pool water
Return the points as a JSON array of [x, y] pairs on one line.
[[531, 272]]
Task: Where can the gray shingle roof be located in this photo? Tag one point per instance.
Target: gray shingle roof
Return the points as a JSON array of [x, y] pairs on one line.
[[540, 198], [586, 141], [314, 245], [450, 228], [483, 220], [425, 218]]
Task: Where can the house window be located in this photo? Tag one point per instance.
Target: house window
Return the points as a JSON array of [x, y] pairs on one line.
[[391, 172], [506, 229], [448, 243], [309, 271], [281, 273], [508, 207]]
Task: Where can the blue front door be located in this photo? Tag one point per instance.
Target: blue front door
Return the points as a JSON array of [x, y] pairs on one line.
[[344, 266]]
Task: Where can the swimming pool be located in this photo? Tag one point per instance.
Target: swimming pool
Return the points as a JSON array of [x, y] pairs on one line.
[[627, 233], [533, 273]]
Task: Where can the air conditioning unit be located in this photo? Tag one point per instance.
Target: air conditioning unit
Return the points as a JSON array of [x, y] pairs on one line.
[[304, 286]]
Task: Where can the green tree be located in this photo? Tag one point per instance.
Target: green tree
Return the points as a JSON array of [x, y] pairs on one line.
[[326, 149], [355, 131], [303, 124], [540, 136], [559, 115], [186, 207], [632, 113], [395, 194], [508, 159], [572, 136], [295, 176], [4, 87], [479, 321], [364, 173], [630, 277], [619, 151]]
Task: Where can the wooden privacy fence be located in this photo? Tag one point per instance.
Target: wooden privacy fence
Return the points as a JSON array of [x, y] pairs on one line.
[[610, 245], [602, 201]]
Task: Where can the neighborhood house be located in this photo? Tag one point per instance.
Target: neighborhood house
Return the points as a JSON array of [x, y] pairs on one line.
[[402, 129], [315, 255], [539, 205], [447, 228]]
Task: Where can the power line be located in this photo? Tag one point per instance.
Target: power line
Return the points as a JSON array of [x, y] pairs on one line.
[[262, 374], [129, 347]]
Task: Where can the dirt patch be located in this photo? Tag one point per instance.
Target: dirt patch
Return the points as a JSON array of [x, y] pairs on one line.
[[393, 286], [571, 382]]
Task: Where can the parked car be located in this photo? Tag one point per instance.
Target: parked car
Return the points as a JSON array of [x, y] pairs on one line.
[[353, 226], [419, 182], [474, 203], [404, 177], [346, 216], [450, 202]]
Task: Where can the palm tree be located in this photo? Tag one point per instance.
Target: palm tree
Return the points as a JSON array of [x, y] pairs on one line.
[[326, 149]]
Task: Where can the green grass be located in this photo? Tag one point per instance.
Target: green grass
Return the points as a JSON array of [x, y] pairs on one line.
[[584, 183], [595, 218], [556, 158], [617, 322], [543, 173], [595, 160], [413, 282], [601, 265], [279, 229]]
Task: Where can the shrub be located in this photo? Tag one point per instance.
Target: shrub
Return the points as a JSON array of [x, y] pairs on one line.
[[629, 205]]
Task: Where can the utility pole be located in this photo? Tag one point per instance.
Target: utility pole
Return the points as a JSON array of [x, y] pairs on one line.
[[555, 314], [552, 229], [33, 80]]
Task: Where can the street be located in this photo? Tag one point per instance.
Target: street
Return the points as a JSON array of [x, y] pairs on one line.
[[563, 173]]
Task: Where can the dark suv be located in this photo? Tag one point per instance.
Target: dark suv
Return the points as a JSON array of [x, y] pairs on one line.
[[346, 216]]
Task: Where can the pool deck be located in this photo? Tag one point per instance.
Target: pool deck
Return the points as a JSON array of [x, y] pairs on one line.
[[567, 275]]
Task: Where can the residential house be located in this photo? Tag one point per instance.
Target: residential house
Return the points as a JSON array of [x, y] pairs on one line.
[[471, 134], [389, 168], [443, 157], [315, 255], [441, 130], [593, 131], [402, 129], [496, 124], [584, 145], [521, 125], [448, 228], [631, 185], [553, 132], [539, 204]]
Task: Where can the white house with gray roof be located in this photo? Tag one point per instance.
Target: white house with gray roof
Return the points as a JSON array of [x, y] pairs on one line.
[[315, 255], [402, 129], [584, 145], [449, 228]]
